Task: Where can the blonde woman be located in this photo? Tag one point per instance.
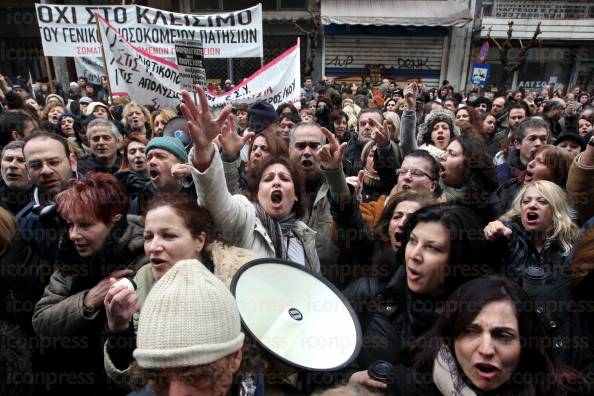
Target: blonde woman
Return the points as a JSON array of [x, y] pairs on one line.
[[137, 119], [538, 231], [394, 125], [160, 118]]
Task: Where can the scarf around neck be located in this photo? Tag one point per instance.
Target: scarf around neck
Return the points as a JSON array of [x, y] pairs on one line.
[[446, 376], [278, 230]]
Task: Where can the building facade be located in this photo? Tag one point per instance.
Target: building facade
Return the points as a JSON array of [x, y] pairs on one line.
[[565, 57], [426, 41]]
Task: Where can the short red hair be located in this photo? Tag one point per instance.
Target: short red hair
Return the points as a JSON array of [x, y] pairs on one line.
[[98, 196]]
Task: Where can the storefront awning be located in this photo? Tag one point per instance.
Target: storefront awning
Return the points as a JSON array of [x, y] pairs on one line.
[[395, 13]]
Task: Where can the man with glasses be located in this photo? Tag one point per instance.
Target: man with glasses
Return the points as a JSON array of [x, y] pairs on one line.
[[419, 171], [51, 165]]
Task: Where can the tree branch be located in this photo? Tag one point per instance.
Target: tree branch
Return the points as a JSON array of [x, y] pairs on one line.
[[490, 38]]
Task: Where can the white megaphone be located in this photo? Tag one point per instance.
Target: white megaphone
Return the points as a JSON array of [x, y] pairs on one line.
[[296, 315]]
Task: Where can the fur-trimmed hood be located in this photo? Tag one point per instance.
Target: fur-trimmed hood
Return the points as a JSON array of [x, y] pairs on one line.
[[433, 118]]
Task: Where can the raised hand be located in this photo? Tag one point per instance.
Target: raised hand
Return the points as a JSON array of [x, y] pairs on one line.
[[357, 183], [120, 304], [331, 153], [381, 133], [230, 140], [202, 126], [410, 95]]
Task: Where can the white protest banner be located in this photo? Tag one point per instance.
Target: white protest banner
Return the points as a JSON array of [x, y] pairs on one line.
[[71, 30], [189, 56], [91, 68], [277, 82], [151, 80], [146, 78]]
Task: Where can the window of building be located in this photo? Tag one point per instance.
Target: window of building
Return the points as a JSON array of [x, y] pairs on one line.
[[267, 5]]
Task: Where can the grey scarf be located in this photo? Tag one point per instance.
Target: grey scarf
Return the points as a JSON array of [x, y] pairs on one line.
[[277, 230]]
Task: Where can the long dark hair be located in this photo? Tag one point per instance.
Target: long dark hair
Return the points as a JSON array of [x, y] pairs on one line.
[[467, 244], [479, 172], [538, 373], [253, 183]]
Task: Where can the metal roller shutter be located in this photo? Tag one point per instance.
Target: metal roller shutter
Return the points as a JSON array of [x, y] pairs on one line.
[[403, 58]]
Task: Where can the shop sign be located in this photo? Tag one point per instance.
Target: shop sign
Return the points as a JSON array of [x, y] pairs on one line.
[[532, 84]]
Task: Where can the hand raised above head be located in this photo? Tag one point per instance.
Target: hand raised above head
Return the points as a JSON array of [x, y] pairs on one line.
[[202, 126], [410, 95], [230, 140]]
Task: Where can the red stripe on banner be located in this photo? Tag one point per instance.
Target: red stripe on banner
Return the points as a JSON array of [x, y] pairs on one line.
[[264, 68], [143, 53]]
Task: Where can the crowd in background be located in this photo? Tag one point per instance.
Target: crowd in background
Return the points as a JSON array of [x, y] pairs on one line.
[[457, 224]]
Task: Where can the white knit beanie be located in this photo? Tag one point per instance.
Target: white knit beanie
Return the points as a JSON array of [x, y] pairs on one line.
[[189, 318]]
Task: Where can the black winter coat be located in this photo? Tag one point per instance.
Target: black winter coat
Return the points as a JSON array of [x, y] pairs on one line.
[[564, 318], [400, 318]]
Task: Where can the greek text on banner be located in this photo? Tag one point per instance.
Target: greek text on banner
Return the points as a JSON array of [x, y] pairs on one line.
[[151, 80], [71, 30]]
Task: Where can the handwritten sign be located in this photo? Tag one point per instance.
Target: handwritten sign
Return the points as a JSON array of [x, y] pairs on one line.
[[189, 55]]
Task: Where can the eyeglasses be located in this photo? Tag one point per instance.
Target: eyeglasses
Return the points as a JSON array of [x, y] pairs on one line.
[[415, 173], [37, 165], [311, 145]]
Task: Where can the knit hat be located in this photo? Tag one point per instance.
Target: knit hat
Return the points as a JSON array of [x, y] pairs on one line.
[[433, 118], [85, 99], [171, 144], [261, 115], [91, 108], [189, 318], [48, 97]]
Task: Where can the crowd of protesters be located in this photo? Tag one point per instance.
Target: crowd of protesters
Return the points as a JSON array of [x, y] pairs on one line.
[[459, 225]]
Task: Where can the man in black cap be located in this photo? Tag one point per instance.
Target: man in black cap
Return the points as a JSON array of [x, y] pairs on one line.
[[20, 88]]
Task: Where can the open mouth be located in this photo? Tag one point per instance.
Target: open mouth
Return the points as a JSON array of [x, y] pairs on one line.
[[306, 163], [532, 216], [406, 187], [154, 173], [486, 370], [528, 176], [276, 197], [139, 162], [13, 176], [412, 275], [157, 261]]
